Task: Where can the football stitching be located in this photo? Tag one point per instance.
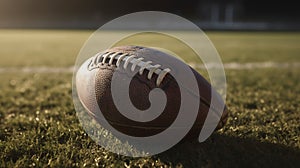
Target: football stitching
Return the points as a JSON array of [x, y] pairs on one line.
[[115, 58]]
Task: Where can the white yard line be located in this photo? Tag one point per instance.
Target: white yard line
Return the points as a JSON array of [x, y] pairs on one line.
[[233, 66], [256, 65], [42, 69]]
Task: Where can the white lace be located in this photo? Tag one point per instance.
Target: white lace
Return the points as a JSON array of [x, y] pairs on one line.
[[101, 58]]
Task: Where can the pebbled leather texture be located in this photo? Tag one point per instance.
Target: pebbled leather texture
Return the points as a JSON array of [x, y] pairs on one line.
[[139, 90]]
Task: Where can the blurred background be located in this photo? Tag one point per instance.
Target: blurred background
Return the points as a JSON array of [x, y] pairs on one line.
[[207, 14]]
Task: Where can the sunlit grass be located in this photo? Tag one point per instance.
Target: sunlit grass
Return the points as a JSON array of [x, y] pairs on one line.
[[39, 124], [39, 127], [60, 47]]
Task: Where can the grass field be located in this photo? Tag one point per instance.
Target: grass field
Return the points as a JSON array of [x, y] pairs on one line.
[[39, 127]]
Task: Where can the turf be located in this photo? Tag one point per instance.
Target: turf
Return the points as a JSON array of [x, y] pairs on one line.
[[40, 47], [58, 48], [39, 127]]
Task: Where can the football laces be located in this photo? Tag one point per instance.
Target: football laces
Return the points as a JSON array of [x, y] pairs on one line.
[[116, 58]]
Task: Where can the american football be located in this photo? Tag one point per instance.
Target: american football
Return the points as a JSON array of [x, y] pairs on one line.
[[208, 83], [94, 79]]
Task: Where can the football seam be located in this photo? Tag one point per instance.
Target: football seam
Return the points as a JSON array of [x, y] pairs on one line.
[[165, 83], [204, 101], [115, 58]]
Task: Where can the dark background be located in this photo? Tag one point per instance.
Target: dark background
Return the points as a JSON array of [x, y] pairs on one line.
[[208, 14]]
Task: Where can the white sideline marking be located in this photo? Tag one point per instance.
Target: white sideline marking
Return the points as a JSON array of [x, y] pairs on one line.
[[233, 65], [253, 65], [43, 69]]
